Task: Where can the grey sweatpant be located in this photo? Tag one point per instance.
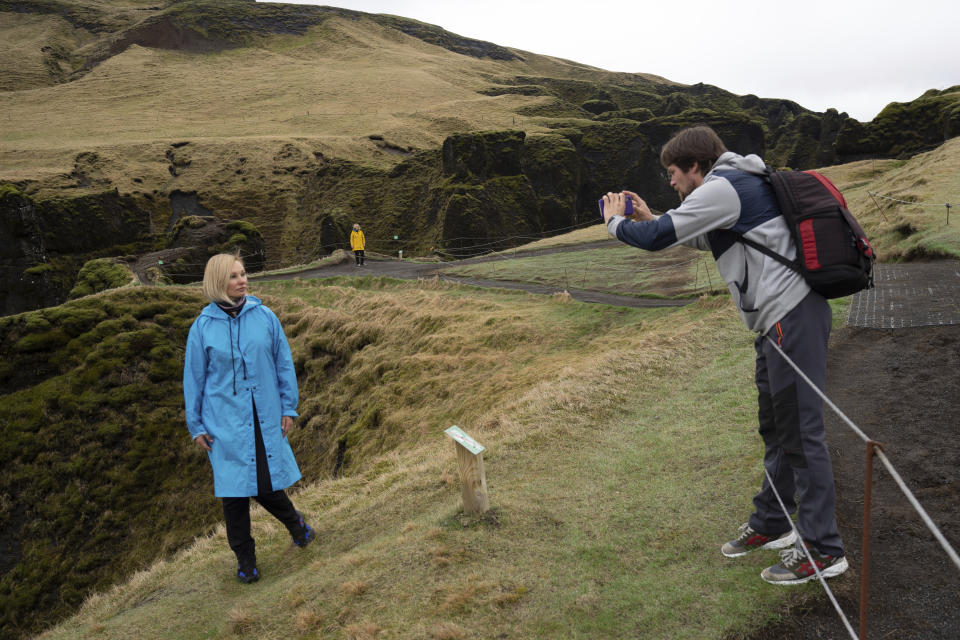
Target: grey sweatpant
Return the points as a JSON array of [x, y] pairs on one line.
[[791, 425]]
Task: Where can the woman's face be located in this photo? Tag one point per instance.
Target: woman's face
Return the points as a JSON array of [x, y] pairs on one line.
[[237, 287]]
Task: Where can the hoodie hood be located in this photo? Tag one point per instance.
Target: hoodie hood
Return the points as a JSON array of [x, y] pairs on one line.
[[751, 163]]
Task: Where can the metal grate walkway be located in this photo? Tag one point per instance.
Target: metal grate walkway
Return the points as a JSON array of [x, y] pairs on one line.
[[909, 295]]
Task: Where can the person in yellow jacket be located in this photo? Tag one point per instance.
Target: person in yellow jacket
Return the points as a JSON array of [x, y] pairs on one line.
[[357, 242]]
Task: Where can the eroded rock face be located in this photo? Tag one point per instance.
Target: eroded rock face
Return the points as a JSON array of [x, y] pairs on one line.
[[482, 155], [44, 243], [502, 184], [191, 243]]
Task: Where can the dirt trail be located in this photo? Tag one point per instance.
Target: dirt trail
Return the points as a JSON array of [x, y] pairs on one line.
[[900, 386]]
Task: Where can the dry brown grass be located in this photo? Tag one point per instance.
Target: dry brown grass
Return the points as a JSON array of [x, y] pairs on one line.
[[290, 89], [307, 621], [904, 231], [354, 588], [362, 631], [241, 619], [593, 233], [447, 631], [22, 37], [464, 596], [582, 412]]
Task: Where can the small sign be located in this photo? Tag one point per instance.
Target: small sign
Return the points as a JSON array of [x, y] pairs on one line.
[[468, 443], [159, 261], [396, 237]]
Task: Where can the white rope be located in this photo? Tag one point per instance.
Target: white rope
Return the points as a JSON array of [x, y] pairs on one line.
[[914, 202], [806, 551], [951, 553], [827, 400]]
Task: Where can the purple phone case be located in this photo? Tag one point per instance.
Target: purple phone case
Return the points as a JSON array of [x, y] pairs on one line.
[[627, 208]]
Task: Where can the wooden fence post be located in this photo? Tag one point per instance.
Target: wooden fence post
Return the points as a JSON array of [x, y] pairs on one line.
[[473, 478]]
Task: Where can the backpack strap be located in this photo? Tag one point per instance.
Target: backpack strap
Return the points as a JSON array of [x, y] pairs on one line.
[[767, 177], [770, 252]]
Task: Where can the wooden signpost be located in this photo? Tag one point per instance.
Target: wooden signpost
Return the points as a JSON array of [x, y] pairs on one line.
[[473, 479]]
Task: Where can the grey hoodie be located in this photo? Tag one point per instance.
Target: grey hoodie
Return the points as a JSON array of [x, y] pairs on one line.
[[733, 200]]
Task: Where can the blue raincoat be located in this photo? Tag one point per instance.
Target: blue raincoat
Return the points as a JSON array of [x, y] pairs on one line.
[[229, 364]]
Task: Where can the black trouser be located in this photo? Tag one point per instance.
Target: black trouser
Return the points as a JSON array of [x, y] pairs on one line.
[[236, 511], [358, 254], [791, 424]]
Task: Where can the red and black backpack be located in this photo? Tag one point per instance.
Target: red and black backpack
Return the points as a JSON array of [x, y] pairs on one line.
[[833, 253]]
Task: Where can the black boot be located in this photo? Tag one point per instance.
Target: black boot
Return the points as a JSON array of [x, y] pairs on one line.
[[247, 569]]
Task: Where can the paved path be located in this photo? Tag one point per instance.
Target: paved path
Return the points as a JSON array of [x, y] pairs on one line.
[[909, 295], [393, 268]]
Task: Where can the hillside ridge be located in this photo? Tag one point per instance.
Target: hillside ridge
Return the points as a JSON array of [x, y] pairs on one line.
[[264, 114]]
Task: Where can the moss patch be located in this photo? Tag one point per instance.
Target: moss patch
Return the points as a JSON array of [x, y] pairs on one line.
[[100, 275]]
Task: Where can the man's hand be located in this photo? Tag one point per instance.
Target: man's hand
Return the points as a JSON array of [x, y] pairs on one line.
[[204, 441], [641, 211], [286, 423], [613, 205]]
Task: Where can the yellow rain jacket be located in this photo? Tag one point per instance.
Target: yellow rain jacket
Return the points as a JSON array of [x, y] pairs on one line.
[[357, 241]]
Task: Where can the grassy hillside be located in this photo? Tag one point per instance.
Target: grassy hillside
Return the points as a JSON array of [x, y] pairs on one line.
[[338, 81], [903, 232], [609, 495], [98, 474], [674, 273], [100, 479]]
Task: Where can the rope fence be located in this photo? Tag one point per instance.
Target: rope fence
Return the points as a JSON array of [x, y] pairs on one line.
[[873, 447], [915, 203], [806, 551]]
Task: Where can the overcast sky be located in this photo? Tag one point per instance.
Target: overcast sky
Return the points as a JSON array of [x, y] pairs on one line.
[[855, 56]]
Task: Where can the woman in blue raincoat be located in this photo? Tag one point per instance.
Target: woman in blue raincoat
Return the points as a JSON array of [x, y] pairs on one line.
[[241, 397]]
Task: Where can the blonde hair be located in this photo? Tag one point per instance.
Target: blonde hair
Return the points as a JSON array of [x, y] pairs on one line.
[[216, 276]]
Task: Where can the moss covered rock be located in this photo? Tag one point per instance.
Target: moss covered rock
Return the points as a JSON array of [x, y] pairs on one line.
[[100, 275], [903, 128], [94, 450], [191, 243], [598, 106], [477, 156]]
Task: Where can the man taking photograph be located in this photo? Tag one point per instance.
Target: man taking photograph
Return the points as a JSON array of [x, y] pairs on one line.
[[724, 196]]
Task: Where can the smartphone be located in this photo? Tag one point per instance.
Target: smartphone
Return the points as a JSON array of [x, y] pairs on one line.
[[628, 206]]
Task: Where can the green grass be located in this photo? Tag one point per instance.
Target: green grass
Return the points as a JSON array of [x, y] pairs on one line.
[[621, 452], [610, 493]]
